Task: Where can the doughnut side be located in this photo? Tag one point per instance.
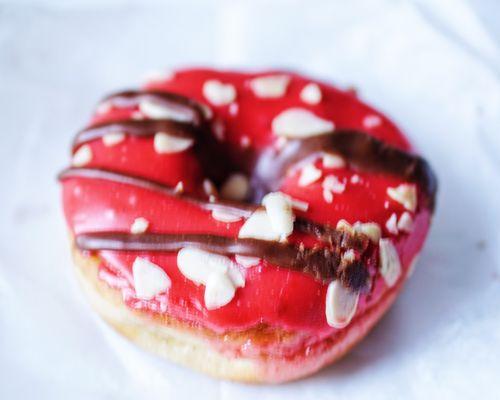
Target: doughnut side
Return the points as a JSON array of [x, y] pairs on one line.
[[202, 350]]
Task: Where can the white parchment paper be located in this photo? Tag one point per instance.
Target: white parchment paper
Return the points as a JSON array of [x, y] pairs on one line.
[[427, 64]]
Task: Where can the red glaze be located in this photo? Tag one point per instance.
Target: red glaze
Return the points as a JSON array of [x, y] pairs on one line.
[[278, 297]]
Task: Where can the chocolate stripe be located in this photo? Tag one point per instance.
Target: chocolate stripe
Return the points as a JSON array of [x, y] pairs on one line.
[[184, 108], [135, 128], [360, 150], [323, 264], [236, 208]]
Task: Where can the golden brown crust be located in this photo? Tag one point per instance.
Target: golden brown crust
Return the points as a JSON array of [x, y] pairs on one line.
[[191, 346]]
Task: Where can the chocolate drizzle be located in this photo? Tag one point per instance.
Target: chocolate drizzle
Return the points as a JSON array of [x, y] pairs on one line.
[[360, 150], [182, 109], [136, 128], [184, 117], [322, 263]]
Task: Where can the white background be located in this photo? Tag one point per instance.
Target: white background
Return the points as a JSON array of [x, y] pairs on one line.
[[433, 66]]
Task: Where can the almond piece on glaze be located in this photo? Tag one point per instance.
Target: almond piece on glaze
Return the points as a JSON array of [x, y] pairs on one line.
[[218, 93], [309, 174], [390, 266], [270, 86], [297, 123], [165, 143], [311, 94], [219, 291], [405, 194], [82, 156], [258, 226], [149, 279], [279, 210], [341, 304]]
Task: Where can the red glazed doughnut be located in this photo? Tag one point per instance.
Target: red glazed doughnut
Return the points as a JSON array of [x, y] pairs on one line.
[[251, 226]]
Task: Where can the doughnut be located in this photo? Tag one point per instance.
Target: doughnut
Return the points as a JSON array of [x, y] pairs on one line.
[[251, 226]]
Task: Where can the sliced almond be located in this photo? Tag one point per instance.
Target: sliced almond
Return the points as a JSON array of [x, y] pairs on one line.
[[390, 266], [218, 93], [327, 196], [279, 210], [341, 304], [392, 224], [333, 184], [113, 138], [331, 160], [271, 86], [155, 109], [405, 194], [197, 265], [235, 187], [371, 121], [370, 229], [166, 144], [82, 156], [219, 291], [209, 187], [343, 225], [405, 222], [309, 174], [246, 261], [140, 225], [311, 94], [224, 216], [149, 279], [300, 123], [258, 226], [179, 188]]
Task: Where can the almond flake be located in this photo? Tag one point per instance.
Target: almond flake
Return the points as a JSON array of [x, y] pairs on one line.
[[311, 94], [327, 196], [371, 121], [405, 194], [333, 184], [82, 156], [140, 225], [355, 179], [179, 188], [279, 210], [299, 123], [235, 187], [271, 86], [218, 93], [309, 174], [219, 291], [370, 229], [219, 274], [224, 216], [149, 279], [390, 266], [113, 138], [258, 226], [246, 261], [197, 265], [405, 222], [341, 304], [154, 109], [333, 161], [209, 187], [166, 144], [391, 224], [245, 141]]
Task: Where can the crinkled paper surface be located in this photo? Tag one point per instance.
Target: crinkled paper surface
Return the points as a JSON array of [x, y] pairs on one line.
[[427, 64]]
